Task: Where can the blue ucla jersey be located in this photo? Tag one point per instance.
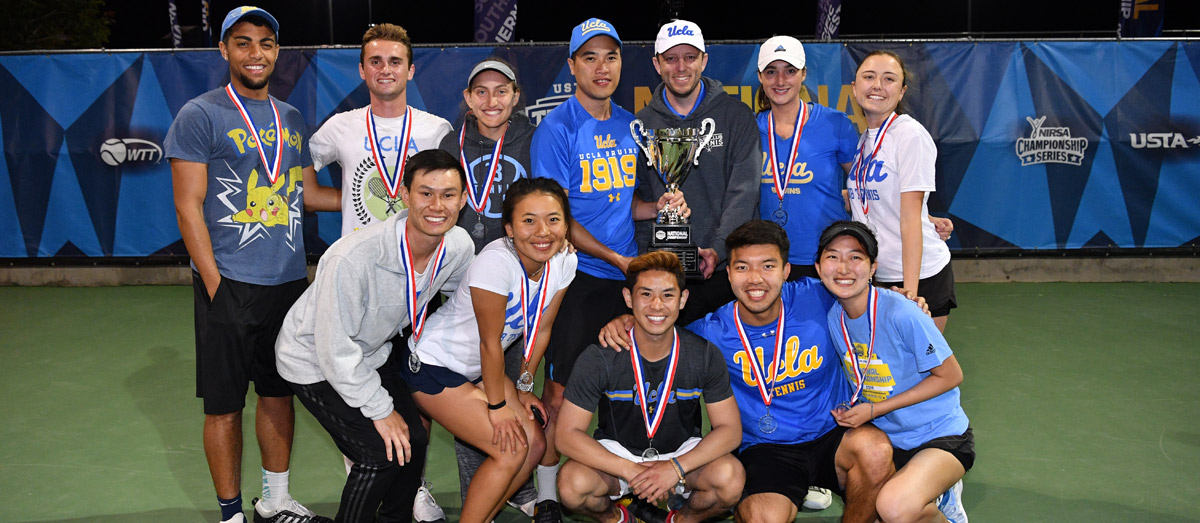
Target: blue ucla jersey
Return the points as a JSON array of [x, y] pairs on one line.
[[596, 161], [907, 346], [813, 197], [808, 385]]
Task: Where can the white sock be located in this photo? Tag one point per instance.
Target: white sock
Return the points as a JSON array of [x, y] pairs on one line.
[[274, 490], [547, 482]]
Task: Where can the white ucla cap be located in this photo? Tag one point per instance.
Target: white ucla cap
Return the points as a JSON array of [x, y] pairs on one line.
[[676, 33], [783, 48]]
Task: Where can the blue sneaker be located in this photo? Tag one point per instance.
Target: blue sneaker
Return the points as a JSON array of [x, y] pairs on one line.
[[950, 504]]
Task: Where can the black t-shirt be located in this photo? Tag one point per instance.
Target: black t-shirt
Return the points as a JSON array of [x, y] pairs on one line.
[[603, 380]]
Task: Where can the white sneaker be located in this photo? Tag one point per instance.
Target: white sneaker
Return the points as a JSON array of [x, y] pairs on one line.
[[425, 508], [526, 508], [950, 503], [818, 498], [237, 518]]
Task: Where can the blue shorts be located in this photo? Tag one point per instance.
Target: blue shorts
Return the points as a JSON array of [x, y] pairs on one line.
[[429, 379]]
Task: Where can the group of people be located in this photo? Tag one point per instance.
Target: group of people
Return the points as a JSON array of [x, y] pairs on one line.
[[780, 329]]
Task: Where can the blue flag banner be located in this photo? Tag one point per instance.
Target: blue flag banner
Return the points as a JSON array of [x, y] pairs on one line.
[[1041, 145], [495, 20], [1141, 18]]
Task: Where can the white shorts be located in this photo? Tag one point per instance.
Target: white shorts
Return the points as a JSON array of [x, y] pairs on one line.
[[616, 448]]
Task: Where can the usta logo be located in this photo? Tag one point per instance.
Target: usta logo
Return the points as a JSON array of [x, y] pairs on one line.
[[1161, 141]]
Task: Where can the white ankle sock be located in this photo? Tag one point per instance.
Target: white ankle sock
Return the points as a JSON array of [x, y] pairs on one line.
[[547, 483], [274, 490]]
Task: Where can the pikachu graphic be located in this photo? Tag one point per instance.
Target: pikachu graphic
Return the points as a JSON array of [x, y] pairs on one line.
[[263, 204]]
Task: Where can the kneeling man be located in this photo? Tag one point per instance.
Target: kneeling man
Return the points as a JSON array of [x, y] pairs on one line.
[[648, 441]]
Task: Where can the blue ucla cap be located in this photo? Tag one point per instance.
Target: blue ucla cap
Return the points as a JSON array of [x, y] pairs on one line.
[[586, 31], [238, 13]]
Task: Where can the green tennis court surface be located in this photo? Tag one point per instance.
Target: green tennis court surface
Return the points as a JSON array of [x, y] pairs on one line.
[[1080, 396]]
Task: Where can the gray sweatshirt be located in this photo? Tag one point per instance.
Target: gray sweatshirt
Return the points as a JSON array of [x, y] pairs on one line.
[[340, 329], [723, 190]]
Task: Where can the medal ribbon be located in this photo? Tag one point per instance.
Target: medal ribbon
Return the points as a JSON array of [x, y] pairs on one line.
[[272, 170], [479, 202], [531, 311], [872, 316], [668, 382], [861, 162], [392, 181], [756, 368], [781, 181], [411, 294]]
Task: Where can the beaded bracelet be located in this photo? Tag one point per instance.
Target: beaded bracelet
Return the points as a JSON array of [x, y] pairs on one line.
[[678, 471]]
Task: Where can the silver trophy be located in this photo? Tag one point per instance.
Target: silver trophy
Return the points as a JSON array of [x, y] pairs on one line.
[[672, 153]]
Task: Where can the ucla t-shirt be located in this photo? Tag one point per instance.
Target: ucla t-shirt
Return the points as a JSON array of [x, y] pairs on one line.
[[813, 197], [808, 384], [596, 162], [254, 223]]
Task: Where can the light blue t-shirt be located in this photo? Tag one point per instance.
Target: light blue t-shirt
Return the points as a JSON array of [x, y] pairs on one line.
[[907, 346], [596, 161], [813, 198], [255, 225]]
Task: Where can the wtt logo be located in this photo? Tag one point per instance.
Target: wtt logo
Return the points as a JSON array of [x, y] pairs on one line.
[[116, 151], [543, 106]]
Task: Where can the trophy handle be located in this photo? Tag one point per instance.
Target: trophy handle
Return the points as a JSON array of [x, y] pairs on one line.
[[638, 130], [707, 128]]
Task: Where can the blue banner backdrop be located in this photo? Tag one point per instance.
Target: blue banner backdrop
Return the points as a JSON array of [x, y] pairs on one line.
[[1060, 145]]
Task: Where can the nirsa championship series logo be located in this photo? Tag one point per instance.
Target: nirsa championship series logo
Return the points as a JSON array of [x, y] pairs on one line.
[[116, 151], [1050, 145]]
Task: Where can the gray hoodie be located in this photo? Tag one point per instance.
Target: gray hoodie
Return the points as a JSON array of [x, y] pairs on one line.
[[723, 190]]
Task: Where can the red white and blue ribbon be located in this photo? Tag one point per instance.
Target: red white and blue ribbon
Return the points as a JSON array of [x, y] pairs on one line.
[[411, 294], [781, 180], [391, 180], [765, 388], [639, 377], [872, 316], [862, 162], [479, 202], [272, 169], [531, 311]]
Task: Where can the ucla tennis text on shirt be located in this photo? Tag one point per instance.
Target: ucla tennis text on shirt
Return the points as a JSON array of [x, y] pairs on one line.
[[240, 137]]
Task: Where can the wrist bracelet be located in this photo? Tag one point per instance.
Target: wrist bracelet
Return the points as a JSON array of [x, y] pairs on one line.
[[678, 471], [497, 406], [872, 410]]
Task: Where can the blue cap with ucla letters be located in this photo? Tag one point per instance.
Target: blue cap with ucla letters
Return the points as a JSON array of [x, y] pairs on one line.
[[237, 13], [587, 30], [676, 33]]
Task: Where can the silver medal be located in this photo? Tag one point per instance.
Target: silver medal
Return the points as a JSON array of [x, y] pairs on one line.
[[650, 453], [780, 217], [414, 363], [767, 423], [478, 230], [525, 382]]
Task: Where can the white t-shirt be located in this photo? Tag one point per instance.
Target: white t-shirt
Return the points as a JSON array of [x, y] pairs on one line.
[[905, 163], [343, 139], [451, 335]]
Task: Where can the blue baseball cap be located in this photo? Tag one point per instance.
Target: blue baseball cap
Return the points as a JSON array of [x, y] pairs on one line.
[[587, 30], [237, 13]]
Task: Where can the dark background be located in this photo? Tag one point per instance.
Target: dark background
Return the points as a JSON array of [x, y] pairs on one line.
[[141, 24]]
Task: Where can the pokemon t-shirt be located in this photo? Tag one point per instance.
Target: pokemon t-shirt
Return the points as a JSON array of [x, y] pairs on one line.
[[254, 222]]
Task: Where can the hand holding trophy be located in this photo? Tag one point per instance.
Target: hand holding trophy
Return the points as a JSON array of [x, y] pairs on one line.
[[672, 153]]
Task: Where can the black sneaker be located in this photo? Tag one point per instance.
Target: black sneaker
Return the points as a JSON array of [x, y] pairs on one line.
[[547, 511], [646, 512], [292, 512]]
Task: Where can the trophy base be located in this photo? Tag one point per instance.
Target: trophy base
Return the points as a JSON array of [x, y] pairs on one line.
[[677, 238]]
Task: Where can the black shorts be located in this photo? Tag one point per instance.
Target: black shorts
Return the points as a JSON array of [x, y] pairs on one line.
[[790, 469], [938, 291], [961, 447], [589, 304], [235, 341]]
